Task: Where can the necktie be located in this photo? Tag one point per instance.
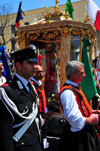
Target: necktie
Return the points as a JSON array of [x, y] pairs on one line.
[[31, 91], [30, 86]]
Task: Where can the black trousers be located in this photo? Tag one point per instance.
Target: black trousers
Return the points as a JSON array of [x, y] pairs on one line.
[[83, 140], [29, 148]]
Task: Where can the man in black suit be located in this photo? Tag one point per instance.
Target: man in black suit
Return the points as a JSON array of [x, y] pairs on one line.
[[20, 123]]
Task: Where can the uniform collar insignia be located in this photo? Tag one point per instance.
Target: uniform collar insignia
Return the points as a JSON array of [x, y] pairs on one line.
[[19, 85]]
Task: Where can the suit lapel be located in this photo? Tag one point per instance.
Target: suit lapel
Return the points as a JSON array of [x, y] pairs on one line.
[[22, 88]]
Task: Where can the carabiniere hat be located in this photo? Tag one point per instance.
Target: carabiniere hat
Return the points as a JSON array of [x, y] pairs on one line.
[[29, 53]]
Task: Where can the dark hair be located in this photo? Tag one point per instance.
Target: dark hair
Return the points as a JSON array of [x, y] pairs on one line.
[[20, 60]]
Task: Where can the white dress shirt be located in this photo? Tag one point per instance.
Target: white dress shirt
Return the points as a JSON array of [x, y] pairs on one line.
[[2, 80], [38, 82], [70, 109]]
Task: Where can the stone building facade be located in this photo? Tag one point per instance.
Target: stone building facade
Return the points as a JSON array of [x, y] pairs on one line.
[[79, 14]]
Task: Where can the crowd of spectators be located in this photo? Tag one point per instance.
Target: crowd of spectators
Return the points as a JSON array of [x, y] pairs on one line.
[[10, 62]]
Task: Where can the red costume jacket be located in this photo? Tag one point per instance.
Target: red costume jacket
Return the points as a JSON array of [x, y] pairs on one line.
[[82, 102], [42, 98]]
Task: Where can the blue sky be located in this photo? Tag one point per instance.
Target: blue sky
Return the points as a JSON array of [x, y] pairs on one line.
[[33, 4]]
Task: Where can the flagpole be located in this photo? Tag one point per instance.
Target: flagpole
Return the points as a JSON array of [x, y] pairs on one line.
[[98, 96]]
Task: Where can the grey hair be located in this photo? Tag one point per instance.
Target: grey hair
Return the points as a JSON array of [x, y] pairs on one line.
[[72, 66]]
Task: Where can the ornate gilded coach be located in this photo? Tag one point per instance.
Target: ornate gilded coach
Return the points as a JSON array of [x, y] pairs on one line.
[[58, 39]]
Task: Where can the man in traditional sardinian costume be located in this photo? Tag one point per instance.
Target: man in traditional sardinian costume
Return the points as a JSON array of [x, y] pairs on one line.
[[36, 81], [20, 124], [79, 133]]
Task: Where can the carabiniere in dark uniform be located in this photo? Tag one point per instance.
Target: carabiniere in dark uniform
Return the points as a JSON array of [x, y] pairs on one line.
[[14, 113]]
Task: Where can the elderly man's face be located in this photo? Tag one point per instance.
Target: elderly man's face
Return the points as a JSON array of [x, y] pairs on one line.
[[39, 73], [78, 78]]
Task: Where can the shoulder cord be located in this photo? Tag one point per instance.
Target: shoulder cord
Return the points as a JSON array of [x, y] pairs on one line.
[[24, 128], [29, 119], [11, 104]]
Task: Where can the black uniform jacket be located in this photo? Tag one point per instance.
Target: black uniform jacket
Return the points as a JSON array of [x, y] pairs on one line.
[[30, 141]]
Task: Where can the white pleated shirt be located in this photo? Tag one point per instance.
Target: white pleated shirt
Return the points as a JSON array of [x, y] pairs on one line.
[[70, 109]]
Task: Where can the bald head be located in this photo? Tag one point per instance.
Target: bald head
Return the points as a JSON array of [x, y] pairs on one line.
[[39, 73]]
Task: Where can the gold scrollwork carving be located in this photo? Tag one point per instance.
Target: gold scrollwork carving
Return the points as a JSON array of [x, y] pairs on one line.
[[65, 30], [83, 33], [33, 36], [41, 30], [76, 32], [19, 40], [21, 36], [93, 40], [70, 30], [28, 35], [23, 33], [60, 29], [50, 35]]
